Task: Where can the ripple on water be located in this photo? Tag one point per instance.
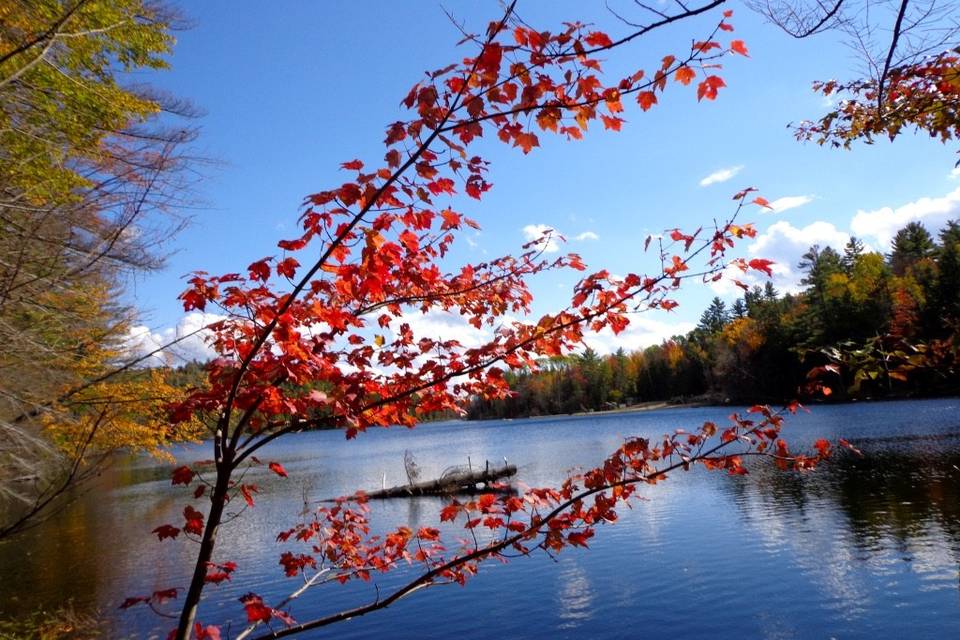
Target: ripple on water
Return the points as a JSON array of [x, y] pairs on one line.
[[859, 549]]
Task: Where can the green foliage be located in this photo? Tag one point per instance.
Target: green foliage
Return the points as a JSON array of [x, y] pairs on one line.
[[60, 97], [714, 317], [911, 244]]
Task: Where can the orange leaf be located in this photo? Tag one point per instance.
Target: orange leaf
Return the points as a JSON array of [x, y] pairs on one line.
[[598, 39], [611, 123], [684, 75], [526, 141], [737, 46], [708, 88], [646, 99], [449, 512]]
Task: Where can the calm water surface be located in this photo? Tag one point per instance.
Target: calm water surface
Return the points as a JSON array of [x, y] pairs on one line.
[[861, 548]]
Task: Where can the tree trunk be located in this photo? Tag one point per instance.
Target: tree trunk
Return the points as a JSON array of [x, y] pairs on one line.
[[218, 501]]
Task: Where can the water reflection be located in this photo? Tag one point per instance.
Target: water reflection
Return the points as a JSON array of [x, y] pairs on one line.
[[871, 532], [899, 489], [861, 548], [574, 596]]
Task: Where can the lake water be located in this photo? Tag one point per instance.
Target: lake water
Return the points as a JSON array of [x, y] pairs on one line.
[[860, 548]]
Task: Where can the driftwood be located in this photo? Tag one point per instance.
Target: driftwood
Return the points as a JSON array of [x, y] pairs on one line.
[[452, 481]]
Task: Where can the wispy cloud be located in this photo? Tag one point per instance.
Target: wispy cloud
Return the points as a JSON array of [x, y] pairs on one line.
[[721, 176], [586, 235], [788, 202]]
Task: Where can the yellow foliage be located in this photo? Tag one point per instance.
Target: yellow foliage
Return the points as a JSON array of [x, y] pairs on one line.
[[743, 332], [674, 353], [126, 413]]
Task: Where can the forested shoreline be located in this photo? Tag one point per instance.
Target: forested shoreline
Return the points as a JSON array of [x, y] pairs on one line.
[[865, 326]]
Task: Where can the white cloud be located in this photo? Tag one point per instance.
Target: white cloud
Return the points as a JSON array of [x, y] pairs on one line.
[[443, 325], [641, 332], [784, 244], [788, 202], [533, 232], [721, 176], [142, 340], [955, 172], [882, 224], [785, 279]]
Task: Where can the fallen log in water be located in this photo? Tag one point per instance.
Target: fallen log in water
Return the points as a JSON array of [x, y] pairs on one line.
[[458, 480]]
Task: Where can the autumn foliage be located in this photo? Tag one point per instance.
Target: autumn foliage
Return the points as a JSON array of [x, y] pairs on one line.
[[923, 95], [318, 335]]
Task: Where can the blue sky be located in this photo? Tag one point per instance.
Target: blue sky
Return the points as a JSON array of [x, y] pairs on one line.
[[293, 91]]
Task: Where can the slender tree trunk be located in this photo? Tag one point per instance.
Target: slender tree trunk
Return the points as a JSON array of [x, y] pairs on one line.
[[218, 501]]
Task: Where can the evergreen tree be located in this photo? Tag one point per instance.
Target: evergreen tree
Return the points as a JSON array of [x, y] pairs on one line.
[[714, 317], [911, 244], [753, 298], [851, 253], [739, 309], [769, 293], [947, 296], [819, 265]]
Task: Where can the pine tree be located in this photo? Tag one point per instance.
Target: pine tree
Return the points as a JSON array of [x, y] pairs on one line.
[[911, 244], [851, 253], [947, 295], [739, 309], [714, 317], [770, 294]]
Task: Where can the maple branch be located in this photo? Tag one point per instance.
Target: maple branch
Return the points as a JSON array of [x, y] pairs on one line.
[[898, 25], [537, 524], [529, 262], [569, 106], [293, 596], [298, 424], [688, 13], [345, 232], [226, 463]]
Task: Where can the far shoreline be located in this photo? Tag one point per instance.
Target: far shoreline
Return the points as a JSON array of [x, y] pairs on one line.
[[659, 405]]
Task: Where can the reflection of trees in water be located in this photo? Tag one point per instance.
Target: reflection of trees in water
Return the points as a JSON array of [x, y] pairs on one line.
[[40, 570], [900, 493], [873, 532], [900, 488]]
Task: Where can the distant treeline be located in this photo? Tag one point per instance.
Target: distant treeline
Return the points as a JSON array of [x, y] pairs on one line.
[[866, 325]]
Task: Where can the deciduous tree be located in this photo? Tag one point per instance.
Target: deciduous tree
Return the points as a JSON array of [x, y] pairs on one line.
[[318, 335], [94, 173]]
